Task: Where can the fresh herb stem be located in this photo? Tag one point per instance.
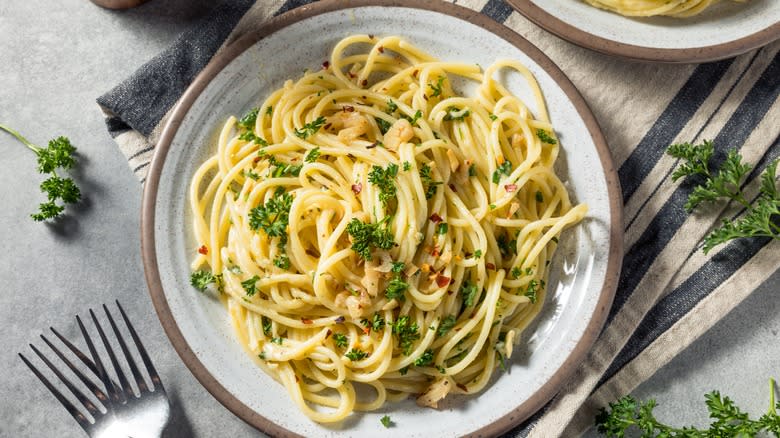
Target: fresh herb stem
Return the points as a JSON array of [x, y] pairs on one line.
[[21, 138]]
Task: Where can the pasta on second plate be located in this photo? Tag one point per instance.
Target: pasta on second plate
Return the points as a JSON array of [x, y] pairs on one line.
[[368, 225], [649, 8]]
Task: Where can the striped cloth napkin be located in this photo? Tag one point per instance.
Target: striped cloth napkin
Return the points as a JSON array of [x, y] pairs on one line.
[[669, 292]]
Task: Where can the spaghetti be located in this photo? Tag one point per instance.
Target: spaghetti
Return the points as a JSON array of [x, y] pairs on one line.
[[368, 226], [649, 8]]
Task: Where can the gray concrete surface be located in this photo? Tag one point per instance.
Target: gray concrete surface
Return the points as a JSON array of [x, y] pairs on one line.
[[55, 59]]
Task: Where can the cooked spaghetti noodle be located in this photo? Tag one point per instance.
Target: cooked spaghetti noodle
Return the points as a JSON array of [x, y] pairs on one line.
[[368, 225], [649, 8]]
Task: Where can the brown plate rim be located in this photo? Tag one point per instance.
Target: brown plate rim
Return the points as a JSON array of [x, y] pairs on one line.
[[225, 56], [607, 46]]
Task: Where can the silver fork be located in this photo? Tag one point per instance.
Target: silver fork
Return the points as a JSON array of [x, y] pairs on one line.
[[120, 412]]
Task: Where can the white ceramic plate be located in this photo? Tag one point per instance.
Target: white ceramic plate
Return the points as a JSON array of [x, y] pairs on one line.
[[723, 30], [584, 273]]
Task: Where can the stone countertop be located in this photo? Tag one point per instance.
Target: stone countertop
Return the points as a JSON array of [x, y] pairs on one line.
[[57, 57]]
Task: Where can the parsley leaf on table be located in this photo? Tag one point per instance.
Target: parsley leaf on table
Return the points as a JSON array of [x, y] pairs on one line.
[[762, 216], [58, 154]]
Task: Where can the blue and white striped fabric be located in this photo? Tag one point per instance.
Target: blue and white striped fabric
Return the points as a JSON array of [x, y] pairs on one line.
[[669, 292]]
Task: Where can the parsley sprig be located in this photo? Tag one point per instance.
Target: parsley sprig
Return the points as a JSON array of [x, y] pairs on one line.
[[384, 178], [58, 154], [310, 128], [728, 419], [273, 216], [407, 332], [762, 216]]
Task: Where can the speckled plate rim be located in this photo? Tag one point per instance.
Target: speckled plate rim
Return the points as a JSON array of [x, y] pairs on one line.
[[587, 40], [224, 57]]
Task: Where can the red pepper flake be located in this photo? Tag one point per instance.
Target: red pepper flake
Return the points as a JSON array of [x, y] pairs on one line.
[[435, 218], [381, 49], [435, 251], [414, 73], [450, 292], [348, 108], [442, 281], [452, 187], [328, 126], [366, 330], [297, 379], [306, 321], [327, 335], [510, 187], [325, 65], [257, 159], [425, 96], [462, 387], [351, 75], [490, 266], [364, 83], [203, 250], [357, 188]]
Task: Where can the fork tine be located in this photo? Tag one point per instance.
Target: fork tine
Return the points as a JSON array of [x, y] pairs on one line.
[[88, 382], [124, 384], [139, 379], [111, 388], [91, 408], [77, 415], [83, 357], [156, 382]]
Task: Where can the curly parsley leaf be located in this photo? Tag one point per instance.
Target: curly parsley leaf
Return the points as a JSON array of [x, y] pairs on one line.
[[281, 261], [386, 421], [455, 113], [249, 120], [469, 292], [446, 325], [504, 168], [627, 413], [367, 236], [437, 88], [762, 215], [340, 340], [200, 280], [407, 332], [310, 128], [425, 360], [545, 137], [384, 180], [250, 285], [312, 155], [426, 175], [273, 216], [356, 354], [58, 154]]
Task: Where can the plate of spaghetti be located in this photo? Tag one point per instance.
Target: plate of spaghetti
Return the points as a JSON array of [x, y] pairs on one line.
[[659, 30], [355, 223]]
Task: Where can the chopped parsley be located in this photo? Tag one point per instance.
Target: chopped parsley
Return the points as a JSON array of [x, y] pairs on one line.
[[506, 246], [404, 370], [383, 178], [425, 360], [249, 173], [396, 288], [428, 182], [266, 326], [249, 120], [442, 228], [281, 261], [455, 113], [539, 196], [340, 340], [391, 106], [277, 341], [250, 286], [437, 88], [376, 323], [273, 216], [545, 137], [312, 155], [533, 288], [446, 325], [269, 110], [356, 354], [384, 125], [504, 168], [516, 273], [201, 279], [469, 292], [386, 421], [366, 236], [250, 136], [281, 169], [310, 128], [477, 254], [397, 267], [473, 170], [413, 120], [407, 332], [493, 117], [407, 166]]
